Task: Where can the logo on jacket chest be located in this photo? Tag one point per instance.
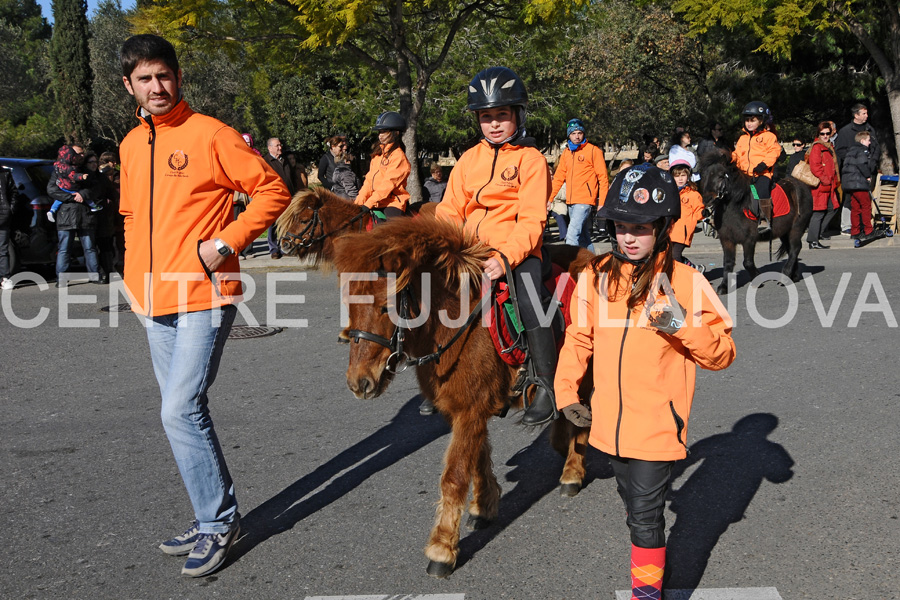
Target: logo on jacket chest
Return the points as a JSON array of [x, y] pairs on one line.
[[178, 162], [509, 177]]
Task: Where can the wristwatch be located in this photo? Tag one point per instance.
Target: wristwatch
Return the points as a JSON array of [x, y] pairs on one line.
[[223, 248]]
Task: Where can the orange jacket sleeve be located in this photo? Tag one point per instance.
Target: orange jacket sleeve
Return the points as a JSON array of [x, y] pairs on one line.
[[707, 329], [528, 230], [559, 177], [579, 345], [602, 176], [243, 171]]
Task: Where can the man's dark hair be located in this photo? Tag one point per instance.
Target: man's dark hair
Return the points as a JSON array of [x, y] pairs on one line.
[[854, 110], [147, 47]]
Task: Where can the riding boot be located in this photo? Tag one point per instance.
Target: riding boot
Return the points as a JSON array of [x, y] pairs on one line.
[[765, 215], [542, 347]]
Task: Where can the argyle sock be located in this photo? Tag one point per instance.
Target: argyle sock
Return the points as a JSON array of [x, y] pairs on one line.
[[647, 566]]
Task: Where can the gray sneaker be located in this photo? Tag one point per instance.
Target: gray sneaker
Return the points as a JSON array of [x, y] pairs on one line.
[[210, 551], [181, 544]]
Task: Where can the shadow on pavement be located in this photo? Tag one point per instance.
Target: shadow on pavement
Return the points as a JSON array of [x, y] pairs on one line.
[[407, 432], [743, 278], [732, 466], [536, 474]]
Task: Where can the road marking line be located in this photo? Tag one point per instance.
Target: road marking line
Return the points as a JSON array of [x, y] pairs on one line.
[[768, 593], [400, 597]]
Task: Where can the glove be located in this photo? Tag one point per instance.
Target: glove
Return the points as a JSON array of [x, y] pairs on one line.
[[760, 168], [666, 318], [704, 213], [578, 414]]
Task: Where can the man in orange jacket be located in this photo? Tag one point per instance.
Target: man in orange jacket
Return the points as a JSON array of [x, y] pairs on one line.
[[582, 168], [180, 170]]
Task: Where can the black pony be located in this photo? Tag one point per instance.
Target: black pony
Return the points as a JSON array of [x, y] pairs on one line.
[[726, 191]]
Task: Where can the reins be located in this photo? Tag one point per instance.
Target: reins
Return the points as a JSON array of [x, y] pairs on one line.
[[399, 360]]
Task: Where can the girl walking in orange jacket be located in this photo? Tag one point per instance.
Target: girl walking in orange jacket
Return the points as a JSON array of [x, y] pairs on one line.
[[648, 321], [756, 153], [691, 210], [498, 191], [384, 188]]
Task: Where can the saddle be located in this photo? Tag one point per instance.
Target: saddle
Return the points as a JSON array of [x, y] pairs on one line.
[[781, 205], [503, 323]]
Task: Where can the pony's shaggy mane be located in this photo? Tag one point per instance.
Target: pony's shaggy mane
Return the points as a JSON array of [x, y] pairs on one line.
[[409, 246]]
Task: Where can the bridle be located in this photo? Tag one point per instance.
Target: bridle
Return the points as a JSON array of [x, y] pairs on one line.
[[399, 360], [314, 231]]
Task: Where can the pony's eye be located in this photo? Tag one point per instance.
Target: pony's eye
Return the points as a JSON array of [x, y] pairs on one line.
[[384, 309]]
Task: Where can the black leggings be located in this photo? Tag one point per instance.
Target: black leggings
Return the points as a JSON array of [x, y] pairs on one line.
[[528, 279], [643, 486]]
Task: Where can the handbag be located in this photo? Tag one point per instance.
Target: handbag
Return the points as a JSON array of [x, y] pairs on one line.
[[805, 174]]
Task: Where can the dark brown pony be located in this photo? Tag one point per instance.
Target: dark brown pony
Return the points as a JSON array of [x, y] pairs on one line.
[[316, 217], [457, 366], [726, 190]]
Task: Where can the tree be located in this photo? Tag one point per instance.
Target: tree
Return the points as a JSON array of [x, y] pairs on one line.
[[71, 68], [27, 121], [113, 107], [407, 42], [779, 24]]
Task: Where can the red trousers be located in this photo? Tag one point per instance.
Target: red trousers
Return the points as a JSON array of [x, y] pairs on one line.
[[860, 212]]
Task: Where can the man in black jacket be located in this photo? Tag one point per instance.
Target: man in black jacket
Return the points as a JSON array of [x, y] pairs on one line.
[[274, 159], [74, 217], [7, 200], [845, 140]]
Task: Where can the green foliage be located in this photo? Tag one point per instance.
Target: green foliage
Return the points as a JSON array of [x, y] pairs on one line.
[[71, 68], [113, 106], [38, 137]]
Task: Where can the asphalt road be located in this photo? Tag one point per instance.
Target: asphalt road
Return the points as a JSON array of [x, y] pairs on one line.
[[791, 484]]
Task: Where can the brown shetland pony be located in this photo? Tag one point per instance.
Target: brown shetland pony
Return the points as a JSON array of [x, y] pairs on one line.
[[469, 383], [316, 217]]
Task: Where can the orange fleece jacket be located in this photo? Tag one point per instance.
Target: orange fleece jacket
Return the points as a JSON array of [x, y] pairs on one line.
[[643, 378], [691, 213], [755, 148], [179, 172], [500, 195], [385, 183], [585, 175]]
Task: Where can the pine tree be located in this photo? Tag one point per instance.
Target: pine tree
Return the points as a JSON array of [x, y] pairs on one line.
[[71, 68]]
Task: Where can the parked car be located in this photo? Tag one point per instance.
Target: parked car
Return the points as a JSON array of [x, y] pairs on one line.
[[33, 239]]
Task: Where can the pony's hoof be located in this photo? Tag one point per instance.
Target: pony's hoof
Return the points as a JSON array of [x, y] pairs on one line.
[[569, 489], [475, 522], [722, 290], [439, 569]]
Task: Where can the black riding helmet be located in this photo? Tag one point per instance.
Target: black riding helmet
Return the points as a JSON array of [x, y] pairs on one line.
[[499, 86], [390, 120], [757, 109], [641, 194]]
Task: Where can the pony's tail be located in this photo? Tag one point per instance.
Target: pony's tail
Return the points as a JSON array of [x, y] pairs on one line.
[[783, 250]]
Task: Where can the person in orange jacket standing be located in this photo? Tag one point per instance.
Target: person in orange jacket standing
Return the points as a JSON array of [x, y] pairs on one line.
[[384, 187], [648, 322], [683, 229], [756, 153], [180, 170], [498, 191], [582, 168]]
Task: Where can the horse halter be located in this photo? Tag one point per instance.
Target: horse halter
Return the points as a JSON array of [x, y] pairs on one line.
[[722, 187], [307, 237], [399, 360]]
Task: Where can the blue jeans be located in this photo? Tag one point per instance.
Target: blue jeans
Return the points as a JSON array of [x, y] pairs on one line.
[[561, 225], [65, 247], [579, 226], [186, 350]]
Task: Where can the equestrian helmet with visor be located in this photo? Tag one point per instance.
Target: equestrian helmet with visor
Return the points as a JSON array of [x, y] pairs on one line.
[[390, 121], [757, 109], [641, 194]]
